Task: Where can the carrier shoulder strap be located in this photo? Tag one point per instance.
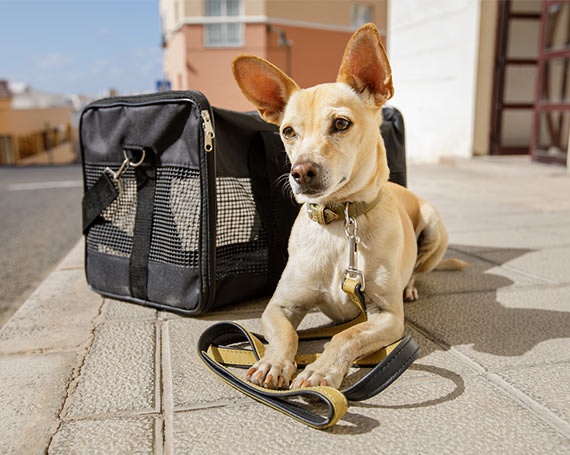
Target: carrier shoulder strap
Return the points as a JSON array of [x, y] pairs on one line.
[[145, 175]]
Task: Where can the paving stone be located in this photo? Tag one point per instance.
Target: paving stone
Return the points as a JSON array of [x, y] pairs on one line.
[[550, 264], [192, 382], [474, 221], [503, 328], [546, 384], [119, 371], [434, 360], [75, 259], [33, 391], [432, 417], [125, 310], [480, 275], [58, 316], [496, 256], [104, 437], [251, 306], [248, 309], [509, 238]]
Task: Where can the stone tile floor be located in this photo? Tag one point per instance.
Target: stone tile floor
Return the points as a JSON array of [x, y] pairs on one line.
[[80, 374]]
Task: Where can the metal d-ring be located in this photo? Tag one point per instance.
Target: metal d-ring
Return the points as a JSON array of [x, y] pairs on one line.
[[139, 162], [123, 167]]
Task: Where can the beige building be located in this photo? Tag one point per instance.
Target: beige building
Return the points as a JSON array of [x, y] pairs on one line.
[[472, 77], [32, 123], [305, 38]]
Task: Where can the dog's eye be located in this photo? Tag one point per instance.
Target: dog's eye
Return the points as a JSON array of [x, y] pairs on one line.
[[288, 132], [341, 124]]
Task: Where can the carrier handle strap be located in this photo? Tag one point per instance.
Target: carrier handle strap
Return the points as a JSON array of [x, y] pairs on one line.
[[96, 199]]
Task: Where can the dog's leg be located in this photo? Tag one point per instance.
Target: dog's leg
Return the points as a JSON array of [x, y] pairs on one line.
[[279, 322], [432, 243], [384, 326], [432, 240], [410, 291]]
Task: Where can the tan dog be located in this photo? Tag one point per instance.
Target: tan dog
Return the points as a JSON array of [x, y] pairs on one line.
[[332, 137]]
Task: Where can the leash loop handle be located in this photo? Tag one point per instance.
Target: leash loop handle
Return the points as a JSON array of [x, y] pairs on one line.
[[389, 363], [335, 403]]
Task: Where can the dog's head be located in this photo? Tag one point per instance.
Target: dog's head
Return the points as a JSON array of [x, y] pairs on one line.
[[331, 131]]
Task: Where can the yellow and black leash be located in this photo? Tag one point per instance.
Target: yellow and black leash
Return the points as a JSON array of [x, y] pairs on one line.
[[216, 348]]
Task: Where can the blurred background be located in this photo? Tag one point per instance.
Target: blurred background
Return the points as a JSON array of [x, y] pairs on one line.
[[472, 78]]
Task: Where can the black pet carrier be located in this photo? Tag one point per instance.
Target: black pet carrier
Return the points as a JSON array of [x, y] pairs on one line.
[[185, 206]]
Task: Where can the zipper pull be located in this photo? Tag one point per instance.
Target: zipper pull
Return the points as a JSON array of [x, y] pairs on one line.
[[208, 131]]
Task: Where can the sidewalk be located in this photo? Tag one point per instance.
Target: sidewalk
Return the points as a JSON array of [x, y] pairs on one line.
[[80, 374]]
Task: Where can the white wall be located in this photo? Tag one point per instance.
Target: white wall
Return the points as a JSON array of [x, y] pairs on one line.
[[432, 46]]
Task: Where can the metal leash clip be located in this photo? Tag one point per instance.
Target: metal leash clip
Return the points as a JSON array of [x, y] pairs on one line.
[[350, 230], [124, 166]]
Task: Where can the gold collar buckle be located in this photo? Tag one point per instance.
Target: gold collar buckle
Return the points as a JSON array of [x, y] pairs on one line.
[[321, 214]]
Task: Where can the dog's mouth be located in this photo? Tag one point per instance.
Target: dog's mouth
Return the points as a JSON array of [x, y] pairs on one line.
[[305, 190], [316, 192]]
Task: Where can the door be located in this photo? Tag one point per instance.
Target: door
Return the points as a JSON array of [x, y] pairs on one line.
[[551, 123]]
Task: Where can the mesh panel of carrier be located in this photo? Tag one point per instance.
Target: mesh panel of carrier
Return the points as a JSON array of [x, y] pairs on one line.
[[241, 244]]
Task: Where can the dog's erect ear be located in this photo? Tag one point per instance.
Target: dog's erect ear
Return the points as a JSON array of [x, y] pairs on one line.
[[264, 85], [365, 66]]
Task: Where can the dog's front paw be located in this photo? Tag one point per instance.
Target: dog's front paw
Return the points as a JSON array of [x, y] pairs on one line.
[[410, 294], [273, 374], [313, 376]]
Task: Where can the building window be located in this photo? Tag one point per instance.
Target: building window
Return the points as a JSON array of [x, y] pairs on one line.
[[361, 14], [228, 32]]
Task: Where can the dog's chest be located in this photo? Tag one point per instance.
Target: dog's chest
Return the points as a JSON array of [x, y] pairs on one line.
[[327, 255], [322, 253], [325, 246]]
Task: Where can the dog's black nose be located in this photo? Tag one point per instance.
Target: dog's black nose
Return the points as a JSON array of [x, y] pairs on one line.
[[305, 172]]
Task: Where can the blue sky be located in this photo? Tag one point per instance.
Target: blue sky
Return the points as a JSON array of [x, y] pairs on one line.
[[81, 46]]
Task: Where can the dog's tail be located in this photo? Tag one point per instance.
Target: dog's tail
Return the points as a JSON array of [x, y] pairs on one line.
[[451, 264]]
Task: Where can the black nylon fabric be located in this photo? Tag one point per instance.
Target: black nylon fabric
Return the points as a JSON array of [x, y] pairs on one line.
[[117, 261], [101, 195], [169, 126], [138, 267], [394, 135], [277, 207]]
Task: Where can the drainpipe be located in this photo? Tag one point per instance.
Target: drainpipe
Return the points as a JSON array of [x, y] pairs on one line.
[[286, 43]]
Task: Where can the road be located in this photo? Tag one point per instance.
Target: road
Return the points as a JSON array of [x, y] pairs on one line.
[[40, 221]]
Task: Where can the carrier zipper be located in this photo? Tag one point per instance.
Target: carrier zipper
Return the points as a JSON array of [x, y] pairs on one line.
[[209, 134], [165, 97]]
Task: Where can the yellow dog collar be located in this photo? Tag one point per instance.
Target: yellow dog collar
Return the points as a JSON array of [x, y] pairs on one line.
[[327, 213]]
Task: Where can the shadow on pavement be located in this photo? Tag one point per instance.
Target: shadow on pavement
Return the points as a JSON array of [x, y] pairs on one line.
[[463, 308]]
